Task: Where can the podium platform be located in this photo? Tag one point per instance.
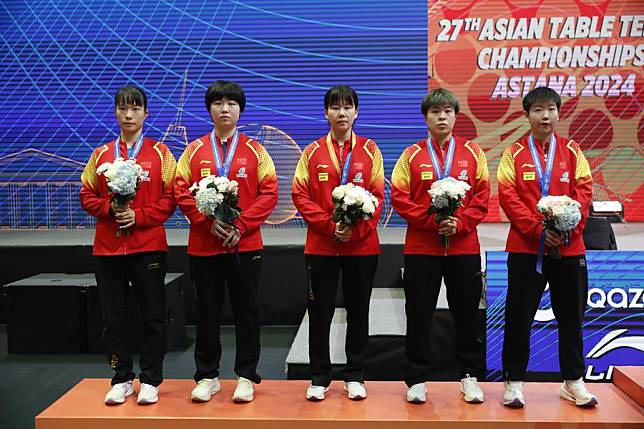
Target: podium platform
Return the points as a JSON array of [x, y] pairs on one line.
[[280, 404]]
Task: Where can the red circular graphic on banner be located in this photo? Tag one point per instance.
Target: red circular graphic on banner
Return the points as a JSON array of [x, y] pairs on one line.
[[481, 105], [625, 106], [568, 108], [465, 127], [455, 62], [514, 116], [592, 129]]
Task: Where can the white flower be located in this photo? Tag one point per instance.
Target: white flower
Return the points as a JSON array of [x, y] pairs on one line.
[[563, 210], [123, 176], [211, 193]]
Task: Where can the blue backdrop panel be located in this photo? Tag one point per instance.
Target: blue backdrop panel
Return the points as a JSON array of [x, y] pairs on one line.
[[613, 329], [62, 61]]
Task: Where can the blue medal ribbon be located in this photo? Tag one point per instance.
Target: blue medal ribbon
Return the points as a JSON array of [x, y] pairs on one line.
[[441, 174], [544, 183], [223, 170], [135, 152], [345, 169]]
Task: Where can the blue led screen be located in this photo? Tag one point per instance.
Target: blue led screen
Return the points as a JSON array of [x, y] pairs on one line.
[[61, 63], [613, 329]]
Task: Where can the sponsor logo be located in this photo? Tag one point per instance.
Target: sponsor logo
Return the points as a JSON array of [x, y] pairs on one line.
[[358, 177], [529, 175], [323, 166], [463, 176], [241, 173], [205, 172], [599, 298], [564, 177], [323, 177], [205, 161], [526, 165], [425, 166], [612, 341], [426, 175]]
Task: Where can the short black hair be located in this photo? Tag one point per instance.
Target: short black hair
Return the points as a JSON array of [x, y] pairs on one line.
[[221, 89], [438, 97], [340, 94], [541, 93], [131, 94]]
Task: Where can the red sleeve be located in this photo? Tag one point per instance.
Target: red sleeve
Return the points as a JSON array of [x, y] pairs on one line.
[[521, 217], [377, 188], [90, 197], [415, 214], [182, 195], [158, 212], [314, 216], [582, 187], [468, 217], [264, 202]]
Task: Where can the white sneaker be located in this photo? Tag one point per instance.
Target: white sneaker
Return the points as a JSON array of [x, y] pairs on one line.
[[244, 391], [513, 394], [471, 391], [206, 387], [119, 392], [148, 394], [417, 394], [316, 393], [575, 390], [355, 390]]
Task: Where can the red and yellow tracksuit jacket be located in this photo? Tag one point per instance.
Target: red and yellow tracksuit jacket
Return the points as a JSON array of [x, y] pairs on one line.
[[411, 179], [252, 167], [153, 205], [318, 172], [520, 191]]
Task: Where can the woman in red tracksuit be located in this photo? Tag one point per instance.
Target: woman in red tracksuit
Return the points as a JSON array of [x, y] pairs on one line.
[[226, 255], [130, 246], [427, 261], [332, 247]]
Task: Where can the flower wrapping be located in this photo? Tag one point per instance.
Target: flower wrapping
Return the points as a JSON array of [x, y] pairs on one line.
[[561, 214], [446, 195], [352, 203], [217, 198]]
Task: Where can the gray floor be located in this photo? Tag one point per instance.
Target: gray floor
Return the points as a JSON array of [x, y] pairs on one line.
[[29, 383]]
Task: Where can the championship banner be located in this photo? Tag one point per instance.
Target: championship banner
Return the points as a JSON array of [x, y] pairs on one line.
[[490, 53]]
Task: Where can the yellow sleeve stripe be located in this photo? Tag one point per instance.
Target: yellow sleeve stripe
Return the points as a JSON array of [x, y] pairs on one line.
[[506, 173], [417, 150]]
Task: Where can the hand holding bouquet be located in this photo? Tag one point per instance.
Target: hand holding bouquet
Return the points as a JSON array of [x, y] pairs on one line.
[[217, 198], [123, 179], [447, 195], [561, 214], [352, 203]]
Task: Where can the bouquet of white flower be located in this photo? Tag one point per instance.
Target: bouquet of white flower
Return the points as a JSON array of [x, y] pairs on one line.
[[352, 203], [561, 214], [123, 179], [447, 195], [217, 198]]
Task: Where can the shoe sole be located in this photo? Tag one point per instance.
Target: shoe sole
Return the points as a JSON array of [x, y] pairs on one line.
[[416, 400], [474, 400], [568, 397], [147, 402], [195, 399], [514, 404], [113, 402], [242, 400]]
